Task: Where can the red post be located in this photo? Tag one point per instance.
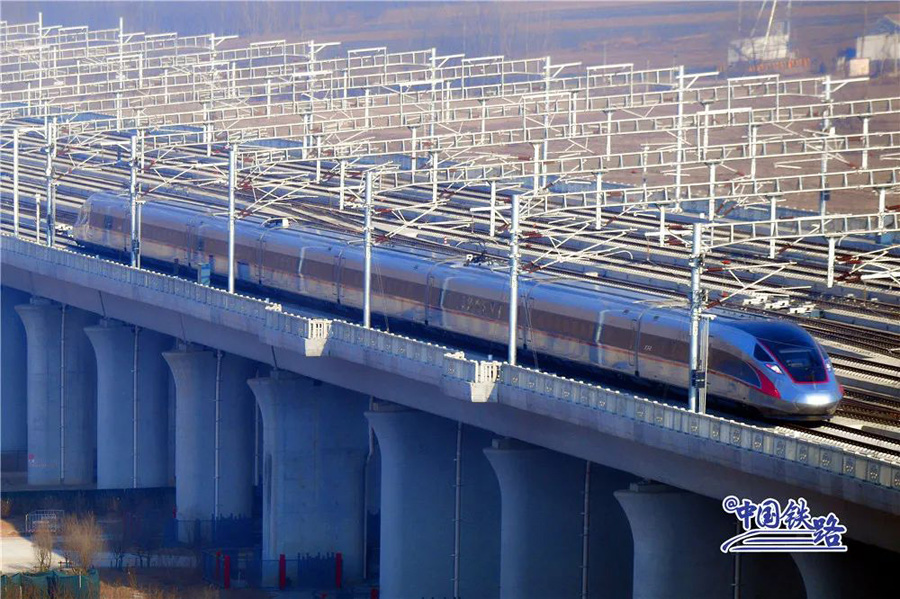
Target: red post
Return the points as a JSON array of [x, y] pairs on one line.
[[373, 594], [338, 570], [226, 583], [282, 572]]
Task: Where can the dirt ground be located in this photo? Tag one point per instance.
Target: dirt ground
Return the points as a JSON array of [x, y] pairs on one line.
[[155, 583], [8, 529], [17, 555], [16, 550]]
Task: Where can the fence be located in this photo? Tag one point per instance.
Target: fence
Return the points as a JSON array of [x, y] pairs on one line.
[[51, 585], [232, 568], [224, 532], [51, 518], [239, 568]]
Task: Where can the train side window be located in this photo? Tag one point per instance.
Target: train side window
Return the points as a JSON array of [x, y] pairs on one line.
[[760, 354], [551, 322], [403, 288], [353, 278], [476, 305], [748, 375], [316, 269], [666, 348], [729, 365], [617, 337], [452, 300], [434, 294]]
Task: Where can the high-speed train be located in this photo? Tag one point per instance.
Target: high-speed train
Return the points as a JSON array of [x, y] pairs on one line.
[[773, 366]]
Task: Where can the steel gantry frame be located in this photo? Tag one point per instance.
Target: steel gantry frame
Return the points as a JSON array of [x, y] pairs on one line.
[[409, 144]]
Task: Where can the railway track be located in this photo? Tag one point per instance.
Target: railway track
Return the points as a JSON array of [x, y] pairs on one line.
[[864, 412], [887, 371], [875, 341], [849, 437]]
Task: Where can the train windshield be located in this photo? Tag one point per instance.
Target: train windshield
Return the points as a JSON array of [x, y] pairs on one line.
[[804, 363], [792, 348]]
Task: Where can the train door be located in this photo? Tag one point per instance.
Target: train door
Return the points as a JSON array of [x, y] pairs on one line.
[[203, 261], [193, 240], [528, 323], [634, 325], [123, 231], [339, 260], [336, 257], [432, 299], [429, 310], [260, 275], [106, 232]]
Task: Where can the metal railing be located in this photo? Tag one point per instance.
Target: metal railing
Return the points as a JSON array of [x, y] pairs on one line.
[[51, 518], [239, 568]]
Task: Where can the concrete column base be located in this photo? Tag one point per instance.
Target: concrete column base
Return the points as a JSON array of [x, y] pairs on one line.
[[542, 529], [13, 377], [61, 371], [315, 445], [194, 372], [122, 463], [677, 538], [418, 486], [863, 571]]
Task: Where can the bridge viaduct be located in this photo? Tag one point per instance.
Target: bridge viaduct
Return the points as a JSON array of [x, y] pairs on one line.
[[513, 482]]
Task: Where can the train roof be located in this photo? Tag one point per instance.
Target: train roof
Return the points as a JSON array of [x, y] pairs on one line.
[[774, 330], [580, 289]]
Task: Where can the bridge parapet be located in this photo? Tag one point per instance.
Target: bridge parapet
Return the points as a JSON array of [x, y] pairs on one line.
[[470, 380], [306, 336], [418, 360], [537, 391]]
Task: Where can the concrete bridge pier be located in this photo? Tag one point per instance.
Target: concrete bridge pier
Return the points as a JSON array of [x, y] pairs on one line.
[[543, 526], [863, 571], [213, 435], [315, 443], [13, 377], [677, 538], [132, 405], [61, 371], [419, 486]]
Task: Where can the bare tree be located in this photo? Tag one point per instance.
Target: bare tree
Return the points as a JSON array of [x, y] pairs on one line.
[[43, 546], [82, 541], [119, 542]]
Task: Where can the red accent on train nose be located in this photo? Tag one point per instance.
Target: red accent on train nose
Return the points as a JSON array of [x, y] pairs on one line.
[[766, 385]]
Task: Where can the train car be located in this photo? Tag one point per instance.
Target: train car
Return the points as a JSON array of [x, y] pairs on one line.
[[773, 366]]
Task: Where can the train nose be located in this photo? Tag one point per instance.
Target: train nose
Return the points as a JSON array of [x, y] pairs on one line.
[[818, 398], [815, 403]]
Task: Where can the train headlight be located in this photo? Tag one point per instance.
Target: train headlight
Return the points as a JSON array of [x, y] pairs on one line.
[[817, 399], [774, 368], [828, 366]]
